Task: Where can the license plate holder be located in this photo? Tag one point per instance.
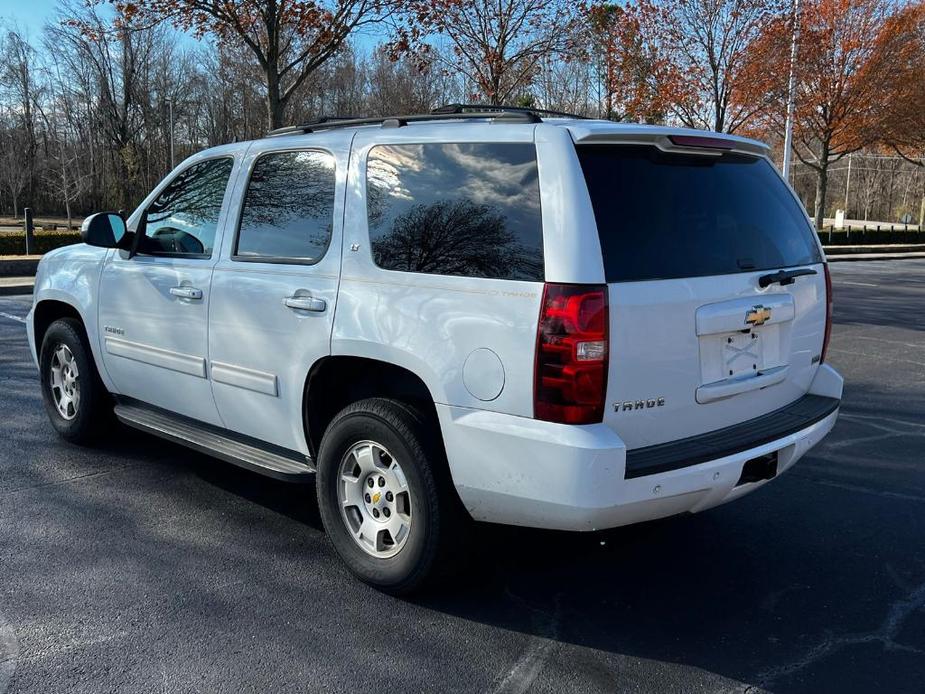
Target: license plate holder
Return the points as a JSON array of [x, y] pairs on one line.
[[742, 354]]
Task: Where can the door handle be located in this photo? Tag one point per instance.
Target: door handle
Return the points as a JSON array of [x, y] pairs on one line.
[[187, 293], [305, 303]]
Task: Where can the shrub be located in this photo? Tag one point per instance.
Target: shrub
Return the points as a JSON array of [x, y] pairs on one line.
[[15, 244]]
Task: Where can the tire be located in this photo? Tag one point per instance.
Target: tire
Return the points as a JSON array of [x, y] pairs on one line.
[[389, 433], [69, 378]]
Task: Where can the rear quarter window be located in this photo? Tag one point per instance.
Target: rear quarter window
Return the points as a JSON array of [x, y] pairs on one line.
[[468, 209], [665, 215]]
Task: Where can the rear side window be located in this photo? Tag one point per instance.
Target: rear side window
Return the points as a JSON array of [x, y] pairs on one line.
[[662, 216], [288, 209], [456, 209]]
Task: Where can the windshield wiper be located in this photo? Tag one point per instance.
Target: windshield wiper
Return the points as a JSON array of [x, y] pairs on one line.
[[783, 277]]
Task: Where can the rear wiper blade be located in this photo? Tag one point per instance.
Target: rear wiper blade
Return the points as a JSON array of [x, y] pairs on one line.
[[784, 276]]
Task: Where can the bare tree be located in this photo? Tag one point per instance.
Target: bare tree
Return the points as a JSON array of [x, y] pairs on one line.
[[498, 45], [289, 39], [14, 171], [17, 79]]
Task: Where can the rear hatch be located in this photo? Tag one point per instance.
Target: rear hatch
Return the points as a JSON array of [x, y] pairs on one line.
[[696, 343]]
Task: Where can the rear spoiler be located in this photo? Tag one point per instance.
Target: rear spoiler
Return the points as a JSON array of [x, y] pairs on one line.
[[681, 140]]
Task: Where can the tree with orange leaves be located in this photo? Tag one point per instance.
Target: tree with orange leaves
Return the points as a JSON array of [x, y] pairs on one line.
[[903, 125], [632, 73], [705, 45], [850, 62], [290, 39]]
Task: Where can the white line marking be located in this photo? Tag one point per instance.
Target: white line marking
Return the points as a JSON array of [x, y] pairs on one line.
[[9, 653], [858, 284], [541, 648], [879, 356], [889, 342], [18, 319]]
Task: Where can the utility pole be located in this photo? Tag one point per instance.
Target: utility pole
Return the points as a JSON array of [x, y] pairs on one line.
[[170, 110], [791, 90]]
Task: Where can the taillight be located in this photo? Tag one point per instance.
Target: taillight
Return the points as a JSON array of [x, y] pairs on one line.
[[828, 311], [570, 373]]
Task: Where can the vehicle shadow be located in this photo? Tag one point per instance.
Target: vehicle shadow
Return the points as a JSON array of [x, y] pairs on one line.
[[747, 593], [743, 591]]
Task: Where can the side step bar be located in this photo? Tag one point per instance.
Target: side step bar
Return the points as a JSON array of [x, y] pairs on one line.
[[273, 461]]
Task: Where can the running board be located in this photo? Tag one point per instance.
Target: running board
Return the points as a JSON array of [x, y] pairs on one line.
[[251, 454]]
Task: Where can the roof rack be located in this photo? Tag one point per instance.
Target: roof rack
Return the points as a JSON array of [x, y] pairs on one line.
[[511, 114]]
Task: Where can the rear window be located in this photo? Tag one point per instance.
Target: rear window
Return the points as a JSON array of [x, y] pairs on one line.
[[663, 216], [469, 209]]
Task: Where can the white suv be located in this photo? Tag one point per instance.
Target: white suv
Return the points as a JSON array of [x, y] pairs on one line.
[[491, 315]]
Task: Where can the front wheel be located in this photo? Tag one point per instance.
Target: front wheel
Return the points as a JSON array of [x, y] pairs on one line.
[[75, 398], [385, 495]]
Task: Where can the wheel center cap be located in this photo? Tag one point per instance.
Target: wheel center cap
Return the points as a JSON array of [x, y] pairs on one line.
[[376, 497]]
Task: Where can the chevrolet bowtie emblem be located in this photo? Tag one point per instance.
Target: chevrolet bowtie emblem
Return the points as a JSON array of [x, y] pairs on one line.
[[757, 315], [376, 497]]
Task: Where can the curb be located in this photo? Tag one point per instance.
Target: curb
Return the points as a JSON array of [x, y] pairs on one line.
[[19, 289], [27, 286], [894, 248], [858, 257], [19, 267]]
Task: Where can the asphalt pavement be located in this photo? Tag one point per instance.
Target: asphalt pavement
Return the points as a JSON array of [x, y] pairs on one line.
[[142, 567]]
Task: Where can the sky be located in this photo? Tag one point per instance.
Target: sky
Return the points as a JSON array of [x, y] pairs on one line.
[[28, 15]]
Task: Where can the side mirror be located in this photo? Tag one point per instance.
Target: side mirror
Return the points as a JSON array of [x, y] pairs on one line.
[[104, 229]]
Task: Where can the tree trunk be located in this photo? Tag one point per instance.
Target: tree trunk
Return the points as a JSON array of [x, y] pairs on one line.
[[275, 106], [822, 182]]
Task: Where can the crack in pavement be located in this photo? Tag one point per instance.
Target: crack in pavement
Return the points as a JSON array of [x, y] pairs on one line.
[[9, 653], [66, 480], [862, 490], [885, 634]]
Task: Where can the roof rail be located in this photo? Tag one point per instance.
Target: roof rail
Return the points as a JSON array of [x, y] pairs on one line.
[[463, 108], [510, 114]]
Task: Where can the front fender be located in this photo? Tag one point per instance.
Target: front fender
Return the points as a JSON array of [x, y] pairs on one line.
[[71, 275]]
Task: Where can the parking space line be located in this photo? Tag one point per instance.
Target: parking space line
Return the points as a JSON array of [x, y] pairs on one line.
[[18, 319], [9, 653]]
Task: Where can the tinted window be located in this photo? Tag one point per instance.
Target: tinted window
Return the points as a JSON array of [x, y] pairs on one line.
[[679, 215], [183, 218], [288, 207], [456, 209]]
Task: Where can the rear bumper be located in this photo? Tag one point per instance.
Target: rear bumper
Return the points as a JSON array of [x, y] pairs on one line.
[[519, 471]]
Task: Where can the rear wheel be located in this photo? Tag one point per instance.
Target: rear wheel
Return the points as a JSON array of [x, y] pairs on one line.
[[75, 398], [385, 495]]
